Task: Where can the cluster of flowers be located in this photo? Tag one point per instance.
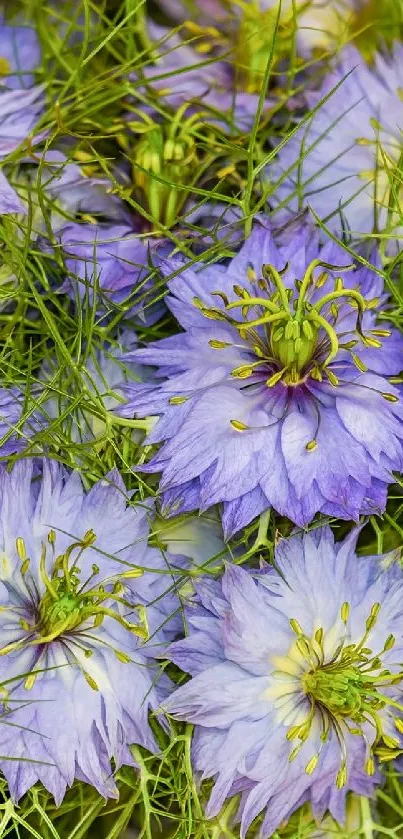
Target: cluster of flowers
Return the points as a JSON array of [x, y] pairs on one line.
[[279, 391]]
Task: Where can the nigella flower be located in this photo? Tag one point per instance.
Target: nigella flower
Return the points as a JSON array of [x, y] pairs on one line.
[[343, 162], [277, 392], [296, 679], [83, 616], [20, 55], [113, 263], [20, 111]]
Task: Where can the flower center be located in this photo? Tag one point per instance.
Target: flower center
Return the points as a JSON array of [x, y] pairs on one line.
[[69, 604], [290, 337], [346, 693], [166, 155], [337, 688]]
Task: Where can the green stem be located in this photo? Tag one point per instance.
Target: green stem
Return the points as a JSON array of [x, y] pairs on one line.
[[366, 818]]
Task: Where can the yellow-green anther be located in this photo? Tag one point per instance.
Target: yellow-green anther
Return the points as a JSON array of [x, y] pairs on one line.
[[307, 330], [296, 626], [275, 378], [293, 754], [25, 566], [312, 764], [278, 334], [345, 612], [390, 397], [373, 616], [332, 378], [320, 281], [30, 681], [21, 549], [319, 636], [389, 643], [359, 363], [242, 372], [341, 778], [371, 342], [311, 446], [370, 766], [241, 292], [178, 400], [238, 425], [218, 345]]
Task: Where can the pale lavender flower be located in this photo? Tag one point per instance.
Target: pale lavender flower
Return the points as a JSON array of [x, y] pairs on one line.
[[87, 604], [344, 161], [294, 676], [277, 392]]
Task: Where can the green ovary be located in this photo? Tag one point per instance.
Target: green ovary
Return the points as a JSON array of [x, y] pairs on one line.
[[58, 616], [292, 347], [340, 690]]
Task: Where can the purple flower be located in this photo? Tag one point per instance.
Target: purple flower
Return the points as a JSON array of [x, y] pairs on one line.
[[86, 606], [344, 161], [20, 54], [276, 392], [20, 111], [112, 262], [294, 675]]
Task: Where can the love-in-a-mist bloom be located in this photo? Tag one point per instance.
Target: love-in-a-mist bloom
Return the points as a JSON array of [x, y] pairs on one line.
[[344, 161], [295, 673], [82, 619], [277, 391]]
